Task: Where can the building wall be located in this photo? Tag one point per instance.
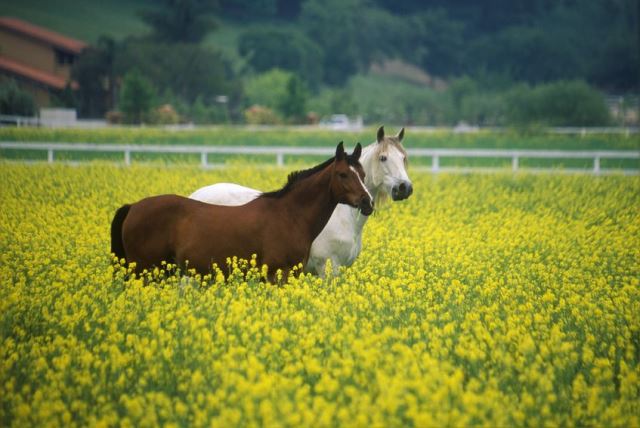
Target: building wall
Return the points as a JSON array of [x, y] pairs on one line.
[[41, 95], [32, 53]]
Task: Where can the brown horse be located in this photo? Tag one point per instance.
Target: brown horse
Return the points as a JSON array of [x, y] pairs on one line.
[[278, 226]]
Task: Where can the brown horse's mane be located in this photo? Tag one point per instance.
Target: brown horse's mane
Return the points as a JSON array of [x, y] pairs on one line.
[[297, 176]]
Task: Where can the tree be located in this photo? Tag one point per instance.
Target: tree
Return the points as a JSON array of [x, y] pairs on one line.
[[562, 103], [460, 89], [249, 9], [267, 89], [351, 33], [435, 42], [65, 98], [15, 101], [95, 74], [136, 98], [185, 21], [189, 71], [266, 48], [293, 105]]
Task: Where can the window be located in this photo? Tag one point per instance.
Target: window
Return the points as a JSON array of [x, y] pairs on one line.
[[63, 58]]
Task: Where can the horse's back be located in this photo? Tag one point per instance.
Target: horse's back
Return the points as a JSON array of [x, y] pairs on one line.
[[228, 194], [177, 229]]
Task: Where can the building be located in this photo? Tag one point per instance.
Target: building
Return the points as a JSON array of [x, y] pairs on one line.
[[40, 60]]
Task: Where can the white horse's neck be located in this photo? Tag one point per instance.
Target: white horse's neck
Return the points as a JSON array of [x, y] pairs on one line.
[[367, 160]]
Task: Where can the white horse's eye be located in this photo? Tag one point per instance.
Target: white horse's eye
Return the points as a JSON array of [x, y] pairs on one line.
[[383, 158]]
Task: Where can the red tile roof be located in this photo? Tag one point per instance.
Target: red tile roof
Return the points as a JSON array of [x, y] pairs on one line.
[[42, 34], [47, 79]]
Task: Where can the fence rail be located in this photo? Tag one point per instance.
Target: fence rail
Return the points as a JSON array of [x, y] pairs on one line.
[[281, 151]]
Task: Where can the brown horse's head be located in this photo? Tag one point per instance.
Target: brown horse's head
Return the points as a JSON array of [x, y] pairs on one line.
[[347, 181]]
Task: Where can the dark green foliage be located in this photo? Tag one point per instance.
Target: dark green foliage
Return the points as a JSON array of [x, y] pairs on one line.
[[15, 101], [260, 10], [435, 42], [384, 100], [334, 100], [203, 113], [136, 97], [351, 34], [293, 105], [185, 21], [249, 9], [534, 40], [564, 103], [188, 70], [94, 72], [287, 49], [477, 50], [64, 98], [267, 89]]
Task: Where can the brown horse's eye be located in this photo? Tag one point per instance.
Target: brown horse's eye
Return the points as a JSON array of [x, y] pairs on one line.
[[383, 158], [343, 175]]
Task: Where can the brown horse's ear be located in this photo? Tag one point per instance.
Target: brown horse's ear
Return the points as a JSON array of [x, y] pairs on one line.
[[340, 154], [357, 152], [401, 134], [380, 134]]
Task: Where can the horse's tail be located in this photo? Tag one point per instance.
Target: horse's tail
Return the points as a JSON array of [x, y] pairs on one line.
[[117, 246]]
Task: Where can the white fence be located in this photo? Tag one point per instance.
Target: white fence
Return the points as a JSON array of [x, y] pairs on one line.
[[279, 152]]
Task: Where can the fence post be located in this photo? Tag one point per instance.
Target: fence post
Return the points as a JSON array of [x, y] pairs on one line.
[[50, 155], [596, 165], [280, 159], [514, 163], [203, 159], [435, 163], [127, 157]]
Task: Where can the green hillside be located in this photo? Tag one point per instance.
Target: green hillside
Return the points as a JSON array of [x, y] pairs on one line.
[[85, 20]]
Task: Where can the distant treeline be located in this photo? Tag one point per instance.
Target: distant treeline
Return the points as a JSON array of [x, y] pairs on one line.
[[522, 40], [498, 62]]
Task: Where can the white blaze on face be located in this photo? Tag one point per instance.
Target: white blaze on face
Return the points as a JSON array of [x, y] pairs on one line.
[[361, 183]]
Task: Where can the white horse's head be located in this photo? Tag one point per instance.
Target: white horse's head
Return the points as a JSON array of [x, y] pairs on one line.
[[385, 165]]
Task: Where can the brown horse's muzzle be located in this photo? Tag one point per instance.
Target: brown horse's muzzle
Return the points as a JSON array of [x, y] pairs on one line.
[[366, 206]]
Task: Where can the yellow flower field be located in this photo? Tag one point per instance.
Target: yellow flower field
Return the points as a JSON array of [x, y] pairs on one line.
[[491, 300]]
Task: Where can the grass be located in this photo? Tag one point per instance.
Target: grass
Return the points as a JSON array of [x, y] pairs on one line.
[[85, 20], [312, 137], [234, 136]]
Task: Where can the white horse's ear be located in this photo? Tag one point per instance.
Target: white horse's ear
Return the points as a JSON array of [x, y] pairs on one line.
[[380, 134], [357, 152], [340, 154], [401, 134]]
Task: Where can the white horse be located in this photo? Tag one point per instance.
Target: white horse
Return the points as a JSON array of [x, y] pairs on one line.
[[384, 163]]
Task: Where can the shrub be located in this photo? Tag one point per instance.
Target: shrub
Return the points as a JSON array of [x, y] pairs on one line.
[[136, 97], [293, 105], [165, 115], [562, 103], [16, 101], [267, 89], [259, 115]]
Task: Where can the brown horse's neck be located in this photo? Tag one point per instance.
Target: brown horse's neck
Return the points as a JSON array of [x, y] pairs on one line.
[[313, 202]]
